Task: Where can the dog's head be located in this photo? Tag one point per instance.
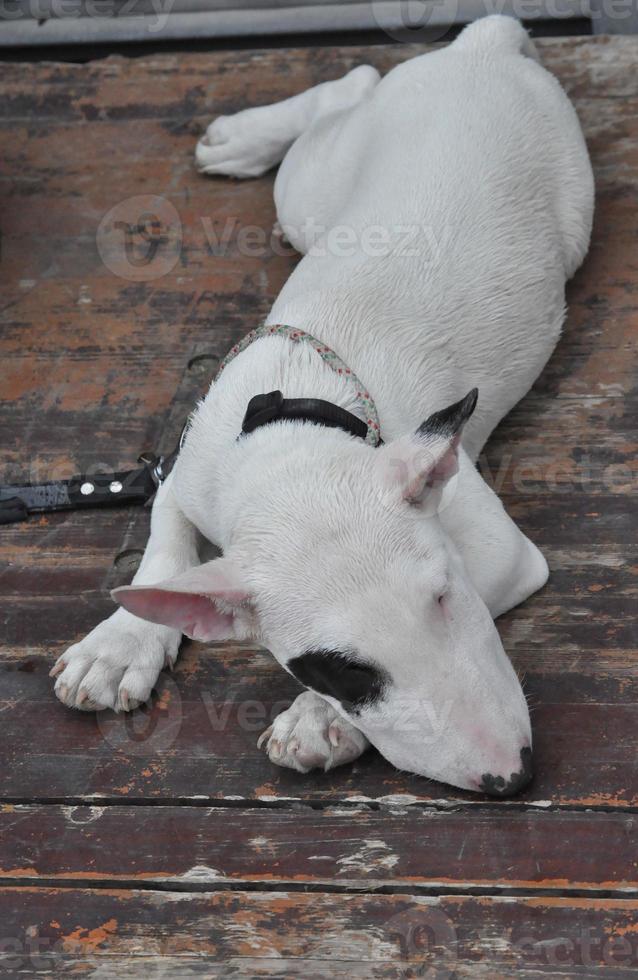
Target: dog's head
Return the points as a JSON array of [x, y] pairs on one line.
[[340, 566]]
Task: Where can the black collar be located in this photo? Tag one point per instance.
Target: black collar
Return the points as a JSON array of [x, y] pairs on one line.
[[273, 407]]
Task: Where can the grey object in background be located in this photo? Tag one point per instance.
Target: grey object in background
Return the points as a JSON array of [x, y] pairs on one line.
[[608, 17], [43, 22]]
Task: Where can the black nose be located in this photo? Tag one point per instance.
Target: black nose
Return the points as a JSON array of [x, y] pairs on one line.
[[498, 786]]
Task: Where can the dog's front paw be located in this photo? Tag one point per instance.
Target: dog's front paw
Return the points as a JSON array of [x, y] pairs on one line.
[[311, 735], [116, 665]]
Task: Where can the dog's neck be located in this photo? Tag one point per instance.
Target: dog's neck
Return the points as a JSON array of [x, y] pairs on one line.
[[268, 364], [276, 363], [266, 407]]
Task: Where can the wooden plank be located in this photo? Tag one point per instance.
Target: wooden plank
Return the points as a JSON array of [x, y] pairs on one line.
[[346, 847], [87, 553], [124, 933], [529, 453], [98, 409], [597, 68]]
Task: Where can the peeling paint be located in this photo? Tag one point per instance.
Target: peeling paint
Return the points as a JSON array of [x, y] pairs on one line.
[[201, 872], [82, 814], [89, 939], [372, 856]]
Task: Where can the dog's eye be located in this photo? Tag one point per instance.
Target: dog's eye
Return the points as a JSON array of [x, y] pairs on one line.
[[338, 675]]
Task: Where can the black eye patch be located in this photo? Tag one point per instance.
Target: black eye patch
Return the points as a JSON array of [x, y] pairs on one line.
[[340, 676]]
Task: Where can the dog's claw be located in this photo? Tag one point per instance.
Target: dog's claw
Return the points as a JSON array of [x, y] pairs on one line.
[[275, 748], [278, 232], [333, 734], [115, 666], [264, 736], [310, 735], [169, 663]]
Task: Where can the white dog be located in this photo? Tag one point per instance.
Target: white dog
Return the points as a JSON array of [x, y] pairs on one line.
[[440, 211]]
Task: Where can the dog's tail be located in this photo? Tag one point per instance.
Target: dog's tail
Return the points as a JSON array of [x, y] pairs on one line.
[[497, 33]]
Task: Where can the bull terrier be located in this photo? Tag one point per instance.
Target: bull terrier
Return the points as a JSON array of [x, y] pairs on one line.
[[439, 212]]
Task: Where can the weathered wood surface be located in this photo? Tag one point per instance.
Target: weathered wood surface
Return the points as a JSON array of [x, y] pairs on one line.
[[96, 367], [405, 847], [117, 934]]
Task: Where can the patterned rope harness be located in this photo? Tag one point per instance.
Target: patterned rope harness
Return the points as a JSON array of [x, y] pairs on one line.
[[369, 410]]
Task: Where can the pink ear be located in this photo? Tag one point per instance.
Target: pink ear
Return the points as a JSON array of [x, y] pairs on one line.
[[428, 458], [190, 602]]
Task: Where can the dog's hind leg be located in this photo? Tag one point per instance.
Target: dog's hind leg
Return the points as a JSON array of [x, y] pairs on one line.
[[254, 140], [117, 664]]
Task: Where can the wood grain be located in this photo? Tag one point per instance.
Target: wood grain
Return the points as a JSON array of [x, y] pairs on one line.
[[339, 848], [123, 933]]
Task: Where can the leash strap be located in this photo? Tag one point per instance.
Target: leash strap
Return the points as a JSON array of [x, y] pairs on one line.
[[139, 485], [80, 492]]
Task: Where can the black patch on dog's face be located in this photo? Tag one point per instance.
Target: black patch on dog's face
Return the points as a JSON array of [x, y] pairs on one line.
[[339, 675]]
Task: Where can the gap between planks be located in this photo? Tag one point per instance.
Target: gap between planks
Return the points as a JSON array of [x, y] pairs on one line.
[[394, 804], [286, 886]]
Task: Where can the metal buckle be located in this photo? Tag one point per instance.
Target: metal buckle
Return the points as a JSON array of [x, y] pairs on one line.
[[154, 465]]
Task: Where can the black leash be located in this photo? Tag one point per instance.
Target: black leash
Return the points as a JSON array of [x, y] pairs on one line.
[[139, 486], [128, 486]]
